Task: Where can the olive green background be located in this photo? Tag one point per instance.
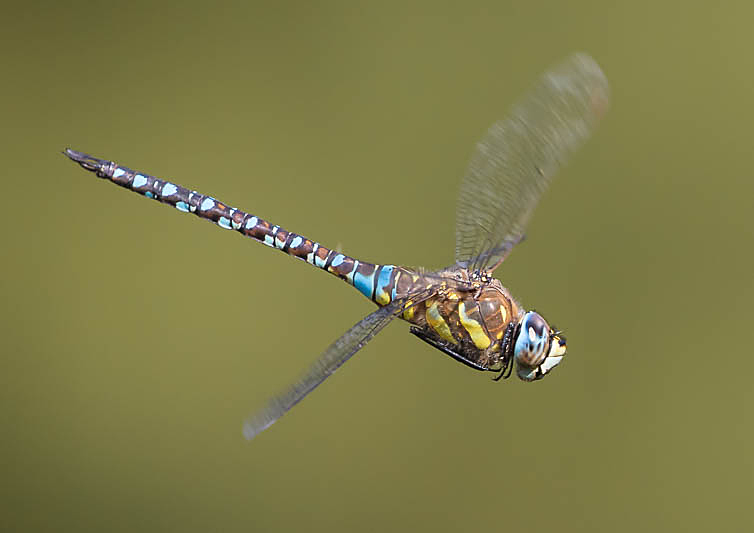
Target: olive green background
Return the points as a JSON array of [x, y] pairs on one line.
[[135, 340]]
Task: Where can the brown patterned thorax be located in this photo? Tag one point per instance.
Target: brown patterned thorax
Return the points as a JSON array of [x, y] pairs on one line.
[[467, 318]]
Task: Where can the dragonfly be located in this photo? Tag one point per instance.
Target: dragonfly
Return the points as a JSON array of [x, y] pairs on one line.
[[462, 310]]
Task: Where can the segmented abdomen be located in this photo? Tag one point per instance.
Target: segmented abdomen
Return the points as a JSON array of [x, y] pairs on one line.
[[376, 282]]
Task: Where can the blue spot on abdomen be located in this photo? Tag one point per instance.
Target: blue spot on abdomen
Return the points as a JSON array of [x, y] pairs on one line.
[[207, 204], [139, 181], [364, 284], [382, 282], [169, 190]]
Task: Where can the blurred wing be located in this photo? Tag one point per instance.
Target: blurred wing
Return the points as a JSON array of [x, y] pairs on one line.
[[334, 356], [515, 161]]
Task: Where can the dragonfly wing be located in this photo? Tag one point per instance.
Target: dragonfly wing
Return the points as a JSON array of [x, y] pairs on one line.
[[333, 357], [515, 161]]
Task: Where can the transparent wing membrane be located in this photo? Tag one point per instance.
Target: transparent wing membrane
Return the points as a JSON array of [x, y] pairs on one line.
[[333, 357], [515, 161]]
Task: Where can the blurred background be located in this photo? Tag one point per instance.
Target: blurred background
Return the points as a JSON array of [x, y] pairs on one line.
[[123, 389]]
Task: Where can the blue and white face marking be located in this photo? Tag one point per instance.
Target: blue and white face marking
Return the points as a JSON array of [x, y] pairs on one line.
[[537, 349]]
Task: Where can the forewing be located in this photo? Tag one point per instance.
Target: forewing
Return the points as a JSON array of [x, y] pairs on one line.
[[333, 357], [515, 161]]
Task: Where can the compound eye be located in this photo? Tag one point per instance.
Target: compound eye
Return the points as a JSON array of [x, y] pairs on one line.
[[532, 341], [536, 327]]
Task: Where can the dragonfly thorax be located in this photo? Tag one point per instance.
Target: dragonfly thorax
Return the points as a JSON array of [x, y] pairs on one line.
[[471, 322]]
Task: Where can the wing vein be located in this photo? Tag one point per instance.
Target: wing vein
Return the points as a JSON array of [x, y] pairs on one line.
[[515, 161]]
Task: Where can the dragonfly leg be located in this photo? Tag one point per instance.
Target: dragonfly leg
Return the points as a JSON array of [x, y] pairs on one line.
[[445, 347]]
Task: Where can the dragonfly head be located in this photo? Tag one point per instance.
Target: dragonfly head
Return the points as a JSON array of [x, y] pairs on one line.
[[537, 348]]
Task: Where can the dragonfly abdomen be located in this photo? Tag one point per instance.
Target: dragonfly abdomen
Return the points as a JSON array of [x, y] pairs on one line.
[[376, 282]]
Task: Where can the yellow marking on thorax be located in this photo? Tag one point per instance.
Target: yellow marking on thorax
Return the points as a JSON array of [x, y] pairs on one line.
[[408, 314], [435, 319], [504, 314], [480, 338]]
